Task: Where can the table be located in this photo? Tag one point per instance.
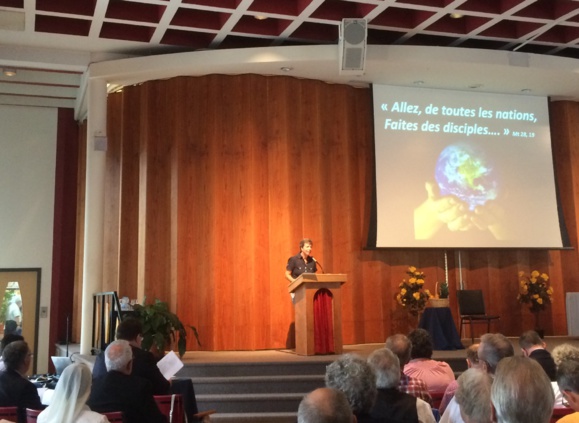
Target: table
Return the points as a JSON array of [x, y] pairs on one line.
[[440, 325]]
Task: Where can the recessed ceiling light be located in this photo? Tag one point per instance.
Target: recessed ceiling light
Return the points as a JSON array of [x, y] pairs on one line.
[[418, 82], [9, 72], [287, 68], [260, 17], [456, 15]]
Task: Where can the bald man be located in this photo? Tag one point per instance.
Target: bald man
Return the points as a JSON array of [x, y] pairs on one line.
[[325, 405]]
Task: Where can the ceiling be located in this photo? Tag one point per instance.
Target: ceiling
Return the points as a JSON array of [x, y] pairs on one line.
[[51, 43]]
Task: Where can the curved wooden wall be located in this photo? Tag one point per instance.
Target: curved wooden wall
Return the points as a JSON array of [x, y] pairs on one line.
[[212, 181]]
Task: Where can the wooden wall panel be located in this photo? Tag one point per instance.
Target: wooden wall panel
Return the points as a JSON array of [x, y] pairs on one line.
[[225, 174]]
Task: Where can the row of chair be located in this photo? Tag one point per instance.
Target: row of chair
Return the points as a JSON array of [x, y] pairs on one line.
[[169, 405]]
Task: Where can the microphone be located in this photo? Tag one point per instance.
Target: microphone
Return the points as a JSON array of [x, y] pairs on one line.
[[319, 264]]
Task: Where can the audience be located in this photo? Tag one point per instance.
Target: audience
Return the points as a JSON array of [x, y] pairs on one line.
[[493, 348], [392, 405], [436, 374], [401, 346], [471, 361], [354, 377], [473, 395], [521, 392], [68, 404], [560, 354], [568, 381], [144, 364], [15, 389], [325, 405], [119, 390], [533, 347]]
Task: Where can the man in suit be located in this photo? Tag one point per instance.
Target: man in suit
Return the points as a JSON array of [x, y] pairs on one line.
[[144, 364], [15, 388], [119, 390], [533, 347]]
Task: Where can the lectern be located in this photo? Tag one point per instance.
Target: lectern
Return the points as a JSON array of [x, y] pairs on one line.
[[304, 288]]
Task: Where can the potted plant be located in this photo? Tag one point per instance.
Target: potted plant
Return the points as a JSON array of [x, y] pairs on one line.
[[536, 291], [412, 296], [161, 327]]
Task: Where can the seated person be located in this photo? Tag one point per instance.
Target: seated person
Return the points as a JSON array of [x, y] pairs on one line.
[[471, 361], [391, 405], [533, 347], [436, 374], [119, 390], [68, 404], [521, 392], [353, 376], [561, 353], [400, 345], [568, 381], [473, 395], [8, 339], [144, 364], [325, 405], [15, 388]]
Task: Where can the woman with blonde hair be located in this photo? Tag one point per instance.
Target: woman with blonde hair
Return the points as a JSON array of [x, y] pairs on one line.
[[68, 404]]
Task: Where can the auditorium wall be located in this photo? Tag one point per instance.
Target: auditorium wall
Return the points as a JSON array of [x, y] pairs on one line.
[[212, 181]]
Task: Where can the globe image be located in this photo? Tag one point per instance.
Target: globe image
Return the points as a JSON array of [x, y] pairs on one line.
[[465, 172]]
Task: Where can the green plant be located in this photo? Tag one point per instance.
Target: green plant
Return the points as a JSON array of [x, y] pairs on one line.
[[161, 327], [411, 295], [443, 290]]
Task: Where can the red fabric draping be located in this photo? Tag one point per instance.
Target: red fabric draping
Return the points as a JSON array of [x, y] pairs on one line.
[[323, 322]]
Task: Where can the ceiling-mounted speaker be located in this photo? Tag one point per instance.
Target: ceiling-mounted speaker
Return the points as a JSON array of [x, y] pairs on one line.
[[353, 34]]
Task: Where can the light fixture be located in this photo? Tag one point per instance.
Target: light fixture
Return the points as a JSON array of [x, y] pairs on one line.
[[260, 17], [456, 15], [287, 68], [9, 72], [418, 82], [526, 90]]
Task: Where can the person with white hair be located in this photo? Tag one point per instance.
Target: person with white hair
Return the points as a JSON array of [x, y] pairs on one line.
[[14, 311], [521, 392], [473, 395], [68, 403], [392, 405], [118, 390]]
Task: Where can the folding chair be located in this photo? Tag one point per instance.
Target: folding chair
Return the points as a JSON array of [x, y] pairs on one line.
[[471, 306]]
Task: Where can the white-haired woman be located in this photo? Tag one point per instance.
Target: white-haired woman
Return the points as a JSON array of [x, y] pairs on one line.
[[68, 404]]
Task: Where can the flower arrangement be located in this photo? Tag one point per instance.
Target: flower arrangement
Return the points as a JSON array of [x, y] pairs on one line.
[[535, 290], [411, 295]]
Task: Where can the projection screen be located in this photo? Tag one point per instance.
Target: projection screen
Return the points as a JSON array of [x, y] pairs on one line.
[[461, 169]]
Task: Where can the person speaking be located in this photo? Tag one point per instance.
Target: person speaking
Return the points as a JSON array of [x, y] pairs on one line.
[[303, 262]]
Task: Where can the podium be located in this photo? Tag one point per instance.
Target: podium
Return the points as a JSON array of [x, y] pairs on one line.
[[304, 288]]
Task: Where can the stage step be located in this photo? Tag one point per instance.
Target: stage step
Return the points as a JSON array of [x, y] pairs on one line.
[[254, 418], [257, 384]]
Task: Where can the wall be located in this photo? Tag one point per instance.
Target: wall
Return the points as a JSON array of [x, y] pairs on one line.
[[212, 181], [27, 180]]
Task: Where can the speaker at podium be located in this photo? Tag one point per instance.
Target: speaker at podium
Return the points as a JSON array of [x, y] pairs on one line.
[[352, 45]]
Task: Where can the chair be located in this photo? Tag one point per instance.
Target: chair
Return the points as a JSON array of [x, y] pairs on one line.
[[559, 412], [471, 306], [9, 413], [114, 416], [172, 407], [436, 399], [32, 415]]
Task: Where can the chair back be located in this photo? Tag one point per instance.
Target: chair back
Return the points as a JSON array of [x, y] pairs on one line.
[[114, 416], [471, 302], [32, 415], [174, 413], [9, 413]]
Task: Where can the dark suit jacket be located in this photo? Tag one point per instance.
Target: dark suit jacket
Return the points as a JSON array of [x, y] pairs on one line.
[[144, 365], [17, 391], [393, 406], [544, 358], [132, 395]]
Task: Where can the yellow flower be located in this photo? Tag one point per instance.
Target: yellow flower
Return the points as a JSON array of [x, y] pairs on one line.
[[420, 281], [401, 285], [533, 280], [521, 274], [412, 269], [428, 293], [403, 291], [536, 296], [416, 295], [535, 274], [523, 283], [545, 277], [550, 291], [540, 300], [412, 280]]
